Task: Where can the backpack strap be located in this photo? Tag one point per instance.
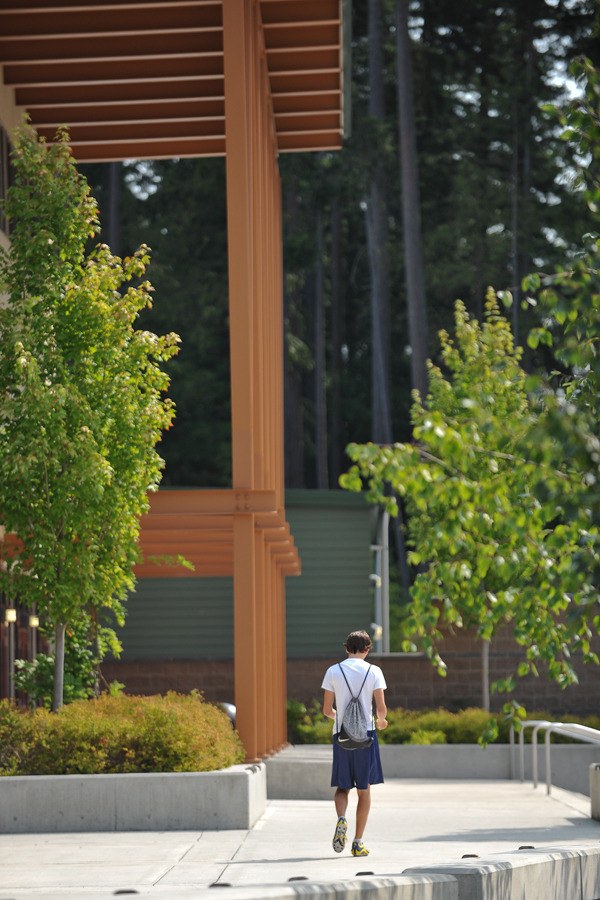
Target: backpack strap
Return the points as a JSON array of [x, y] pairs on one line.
[[348, 686]]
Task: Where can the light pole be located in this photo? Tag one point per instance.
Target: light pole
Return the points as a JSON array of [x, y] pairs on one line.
[[10, 618]]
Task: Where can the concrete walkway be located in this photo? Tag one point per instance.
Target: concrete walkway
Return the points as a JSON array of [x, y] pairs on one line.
[[413, 822]]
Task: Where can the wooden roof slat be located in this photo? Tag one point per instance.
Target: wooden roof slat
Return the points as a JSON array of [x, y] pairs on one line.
[[293, 122], [280, 11], [72, 7], [122, 111], [151, 129], [305, 100], [157, 89], [167, 148], [111, 46], [289, 35], [284, 59], [46, 23], [83, 72]]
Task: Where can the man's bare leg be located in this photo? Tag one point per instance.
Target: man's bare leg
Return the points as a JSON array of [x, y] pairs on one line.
[[362, 812], [341, 801], [341, 804]]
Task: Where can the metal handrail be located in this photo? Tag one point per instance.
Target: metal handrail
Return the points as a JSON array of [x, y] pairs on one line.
[[569, 729]]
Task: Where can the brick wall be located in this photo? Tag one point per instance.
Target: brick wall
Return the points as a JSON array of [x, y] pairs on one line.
[[214, 677], [412, 681]]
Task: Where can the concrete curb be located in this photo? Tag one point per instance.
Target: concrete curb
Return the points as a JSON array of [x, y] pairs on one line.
[[233, 798], [546, 874]]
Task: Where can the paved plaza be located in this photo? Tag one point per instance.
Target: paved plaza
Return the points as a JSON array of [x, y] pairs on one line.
[[413, 822]]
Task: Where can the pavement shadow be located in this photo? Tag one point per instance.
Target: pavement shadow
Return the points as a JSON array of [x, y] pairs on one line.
[[579, 830], [282, 859]]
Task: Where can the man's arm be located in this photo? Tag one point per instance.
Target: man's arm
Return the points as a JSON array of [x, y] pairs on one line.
[[328, 698], [380, 707]]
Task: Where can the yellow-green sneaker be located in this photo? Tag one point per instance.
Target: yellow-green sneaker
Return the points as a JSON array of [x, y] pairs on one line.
[[339, 836], [359, 849]]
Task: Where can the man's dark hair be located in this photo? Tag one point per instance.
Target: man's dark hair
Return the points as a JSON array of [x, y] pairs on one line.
[[358, 642]]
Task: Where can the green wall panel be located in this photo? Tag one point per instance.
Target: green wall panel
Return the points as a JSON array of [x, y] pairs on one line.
[[332, 596], [179, 618], [192, 618]]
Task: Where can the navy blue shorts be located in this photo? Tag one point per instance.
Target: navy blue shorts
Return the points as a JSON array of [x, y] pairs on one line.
[[356, 768]]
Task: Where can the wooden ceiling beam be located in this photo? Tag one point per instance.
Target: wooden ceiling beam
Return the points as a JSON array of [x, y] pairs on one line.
[[281, 11], [91, 19], [153, 129], [167, 148], [288, 36], [111, 46], [152, 89], [123, 111], [92, 72], [72, 7], [285, 59]]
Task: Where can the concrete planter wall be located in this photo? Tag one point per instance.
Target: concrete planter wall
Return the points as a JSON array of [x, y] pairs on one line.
[[304, 771], [170, 801]]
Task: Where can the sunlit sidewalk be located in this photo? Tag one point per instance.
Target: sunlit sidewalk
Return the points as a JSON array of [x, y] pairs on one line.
[[413, 822]]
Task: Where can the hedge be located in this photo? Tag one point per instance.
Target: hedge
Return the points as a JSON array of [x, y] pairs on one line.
[[308, 725], [171, 733]]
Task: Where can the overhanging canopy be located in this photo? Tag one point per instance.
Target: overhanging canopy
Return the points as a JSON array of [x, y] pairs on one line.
[[145, 80]]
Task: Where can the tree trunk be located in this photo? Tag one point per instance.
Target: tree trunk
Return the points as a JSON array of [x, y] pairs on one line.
[[320, 366], [411, 206], [337, 341], [377, 242], [485, 675], [59, 666], [293, 375], [113, 217], [514, 224]]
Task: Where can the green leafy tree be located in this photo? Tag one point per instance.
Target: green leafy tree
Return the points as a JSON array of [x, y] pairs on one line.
[[81, 399], [494, 552], [569, 299]]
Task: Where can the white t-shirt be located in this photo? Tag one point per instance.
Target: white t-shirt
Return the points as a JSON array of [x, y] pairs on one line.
[[355, 670]]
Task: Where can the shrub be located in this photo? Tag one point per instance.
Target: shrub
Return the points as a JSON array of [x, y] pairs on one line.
[[422, 736], [307, 725], [112, 734]]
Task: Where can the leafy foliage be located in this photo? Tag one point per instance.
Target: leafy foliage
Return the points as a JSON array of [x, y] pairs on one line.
[[307, 725], [174, 733], [569, 301], [491, 551], [81, 406]]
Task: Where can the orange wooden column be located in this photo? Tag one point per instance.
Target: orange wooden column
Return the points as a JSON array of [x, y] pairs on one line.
[[254, 238]]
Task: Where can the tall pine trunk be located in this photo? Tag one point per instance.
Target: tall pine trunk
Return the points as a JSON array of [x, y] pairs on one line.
[[320, 365], [411, 206], [337, 341], [293, 375]]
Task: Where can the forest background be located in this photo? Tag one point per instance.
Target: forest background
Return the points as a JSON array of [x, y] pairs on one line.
[[497, 201]]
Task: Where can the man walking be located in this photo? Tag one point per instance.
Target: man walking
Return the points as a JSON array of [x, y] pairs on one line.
[[354, 768]]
